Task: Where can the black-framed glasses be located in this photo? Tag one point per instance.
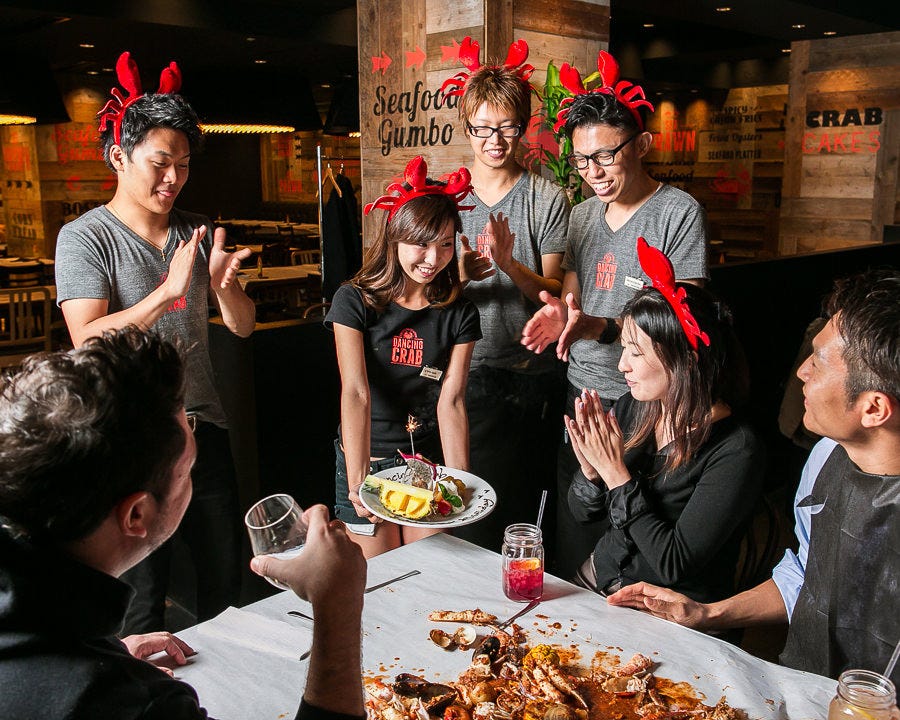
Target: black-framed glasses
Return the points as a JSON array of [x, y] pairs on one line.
[[485, 131], [602, 158]]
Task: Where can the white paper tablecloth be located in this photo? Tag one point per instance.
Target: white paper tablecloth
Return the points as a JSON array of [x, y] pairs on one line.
[[238, 678]]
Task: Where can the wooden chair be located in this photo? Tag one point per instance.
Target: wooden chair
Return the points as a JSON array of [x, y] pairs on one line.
[[316, 310], [25, 324], [762, 545], [305, 257]]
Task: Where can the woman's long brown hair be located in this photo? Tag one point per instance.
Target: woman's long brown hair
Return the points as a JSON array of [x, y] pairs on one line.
[[423, 219], [698, 379]]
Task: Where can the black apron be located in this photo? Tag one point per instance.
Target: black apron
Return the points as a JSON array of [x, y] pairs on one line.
[[848, 612]]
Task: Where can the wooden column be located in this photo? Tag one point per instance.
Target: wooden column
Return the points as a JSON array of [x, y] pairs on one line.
[[841, 142], [407, 48]]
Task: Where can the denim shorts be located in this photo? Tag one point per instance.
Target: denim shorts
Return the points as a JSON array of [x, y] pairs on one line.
[[343, 508]]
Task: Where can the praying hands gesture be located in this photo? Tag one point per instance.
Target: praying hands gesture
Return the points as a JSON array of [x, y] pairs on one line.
[[597, 441]]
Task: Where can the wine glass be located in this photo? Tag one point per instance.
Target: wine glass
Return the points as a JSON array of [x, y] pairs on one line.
[[276, 527]]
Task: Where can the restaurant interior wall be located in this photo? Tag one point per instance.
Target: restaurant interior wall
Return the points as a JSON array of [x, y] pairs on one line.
[[842, 142], [407, 48]]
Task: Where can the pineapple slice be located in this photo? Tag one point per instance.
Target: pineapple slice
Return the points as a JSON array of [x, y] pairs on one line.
[[405, 500]]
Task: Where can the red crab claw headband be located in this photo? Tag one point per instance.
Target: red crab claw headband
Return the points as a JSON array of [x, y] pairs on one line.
[[630, 95], [468, 55], [458, 185], [130, 80], [659, 269]]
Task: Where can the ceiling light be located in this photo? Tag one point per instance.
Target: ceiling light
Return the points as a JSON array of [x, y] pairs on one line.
[[86, 46], [798, 26], [785, 50], [17, 120], [325, 85], [250, 39], [260, 62], [354, 134], [829, 32], [107, 69], [649, 25], [93, 72], [724, 8], [231, 129]]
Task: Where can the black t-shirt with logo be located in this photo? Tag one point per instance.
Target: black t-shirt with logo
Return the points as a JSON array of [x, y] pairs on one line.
[[406, 353]]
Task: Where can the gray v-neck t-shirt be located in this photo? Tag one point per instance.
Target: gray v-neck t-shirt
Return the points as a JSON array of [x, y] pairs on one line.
[[99, 257]]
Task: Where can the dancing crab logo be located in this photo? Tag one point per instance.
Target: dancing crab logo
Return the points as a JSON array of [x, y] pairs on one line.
[[407, 348], [606, 272]]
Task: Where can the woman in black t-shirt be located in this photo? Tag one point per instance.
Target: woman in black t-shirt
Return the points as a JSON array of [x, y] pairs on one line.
[[671, 470], [404, 336]]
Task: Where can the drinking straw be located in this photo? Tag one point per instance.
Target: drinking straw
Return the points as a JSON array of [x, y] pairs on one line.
[[541, 517], [893, 661]]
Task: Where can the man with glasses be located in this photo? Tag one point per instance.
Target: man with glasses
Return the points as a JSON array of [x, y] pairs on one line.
[[602, 271], [512, 245]]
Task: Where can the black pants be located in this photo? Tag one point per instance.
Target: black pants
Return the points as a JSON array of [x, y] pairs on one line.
[[211, 529], [515, 423], [575, 541]]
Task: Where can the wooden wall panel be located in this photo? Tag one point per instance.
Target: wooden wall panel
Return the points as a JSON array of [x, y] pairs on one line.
[[842, 142], [566, 18]]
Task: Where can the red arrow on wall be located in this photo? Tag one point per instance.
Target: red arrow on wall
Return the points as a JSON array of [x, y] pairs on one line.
[[416, 57], [381, 63], [450, 52]]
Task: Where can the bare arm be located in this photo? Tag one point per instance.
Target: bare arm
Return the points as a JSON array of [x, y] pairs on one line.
[[451, 408], [87, 317], [762, 605], [331, 574], [237, 310], [356, 409]]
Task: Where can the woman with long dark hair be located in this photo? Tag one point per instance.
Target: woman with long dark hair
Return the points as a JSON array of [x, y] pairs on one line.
[[404, 338], [672, 468]]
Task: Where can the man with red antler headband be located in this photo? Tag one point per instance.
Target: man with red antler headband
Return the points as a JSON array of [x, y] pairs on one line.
[[512, 245], [139, 260], [601, 266]]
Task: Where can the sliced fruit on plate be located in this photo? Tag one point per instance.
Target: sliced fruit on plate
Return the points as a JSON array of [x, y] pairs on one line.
[[405, 500]]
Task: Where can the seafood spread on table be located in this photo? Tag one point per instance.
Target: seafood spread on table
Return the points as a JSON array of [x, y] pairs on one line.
[[508, 679]]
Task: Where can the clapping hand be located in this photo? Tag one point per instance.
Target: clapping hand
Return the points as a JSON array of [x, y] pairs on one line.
[[546, 325], [181, 266], [501, 241], [224, 266], [473, 265]]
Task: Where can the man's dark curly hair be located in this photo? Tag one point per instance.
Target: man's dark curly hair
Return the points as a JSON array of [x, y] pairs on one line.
[[162, 110], [80, 431], [867, 307]]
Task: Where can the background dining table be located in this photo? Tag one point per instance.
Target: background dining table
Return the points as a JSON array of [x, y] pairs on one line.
[[248, 661]]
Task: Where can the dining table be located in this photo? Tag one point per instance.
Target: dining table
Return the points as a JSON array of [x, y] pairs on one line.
[[252, 661], [271, 226], [268, 275]]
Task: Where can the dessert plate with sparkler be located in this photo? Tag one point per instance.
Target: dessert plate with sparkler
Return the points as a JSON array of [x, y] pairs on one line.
[[419, 492], [451, 499]]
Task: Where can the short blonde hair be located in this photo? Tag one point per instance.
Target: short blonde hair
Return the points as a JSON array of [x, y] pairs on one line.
[[500, 88]]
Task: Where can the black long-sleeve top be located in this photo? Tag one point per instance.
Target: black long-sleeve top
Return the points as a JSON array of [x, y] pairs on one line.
[[680, 529]]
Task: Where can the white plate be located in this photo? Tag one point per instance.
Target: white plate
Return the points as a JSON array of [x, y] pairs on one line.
[[480, 500]]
